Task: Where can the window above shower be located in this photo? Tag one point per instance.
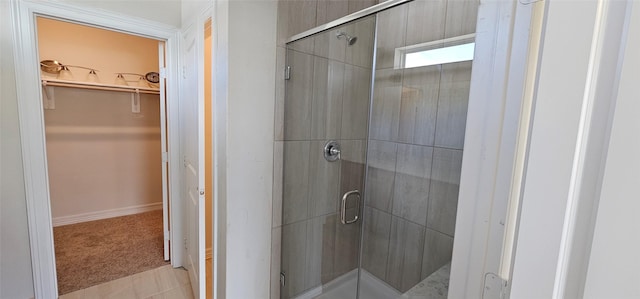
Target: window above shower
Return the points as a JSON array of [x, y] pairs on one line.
[[450, 50]]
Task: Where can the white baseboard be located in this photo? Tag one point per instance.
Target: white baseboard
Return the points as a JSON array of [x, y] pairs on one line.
[[72, 219]]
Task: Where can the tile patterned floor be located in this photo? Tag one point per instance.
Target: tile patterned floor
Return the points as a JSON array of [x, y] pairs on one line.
[[163, 282]]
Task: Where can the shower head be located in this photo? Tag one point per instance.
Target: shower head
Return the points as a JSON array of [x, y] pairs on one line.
[[350, 39]]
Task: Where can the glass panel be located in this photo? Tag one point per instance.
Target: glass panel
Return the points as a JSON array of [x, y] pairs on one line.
[[327, 99], [415, 147]]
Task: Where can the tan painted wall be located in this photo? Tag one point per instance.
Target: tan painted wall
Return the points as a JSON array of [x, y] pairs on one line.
[[101, 156], [104, 50]]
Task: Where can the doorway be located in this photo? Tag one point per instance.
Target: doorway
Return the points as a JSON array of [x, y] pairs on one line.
[[105, 124], [31, 95]]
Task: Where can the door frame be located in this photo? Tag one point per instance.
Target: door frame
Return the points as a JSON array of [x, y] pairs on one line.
[[495, 147], [31, 117]]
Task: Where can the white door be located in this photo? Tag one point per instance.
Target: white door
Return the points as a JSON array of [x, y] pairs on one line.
[[192, 139]]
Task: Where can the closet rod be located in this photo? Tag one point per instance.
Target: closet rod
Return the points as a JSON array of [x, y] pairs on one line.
[[130, 89]]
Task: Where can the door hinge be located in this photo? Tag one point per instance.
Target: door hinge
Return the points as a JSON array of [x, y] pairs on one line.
[[167, 235], [165, 157], [494, 287], [282, 279], [163, 72], [184, 72], [287, 72]]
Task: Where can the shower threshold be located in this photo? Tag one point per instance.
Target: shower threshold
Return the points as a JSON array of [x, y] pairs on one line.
[[435, 286]]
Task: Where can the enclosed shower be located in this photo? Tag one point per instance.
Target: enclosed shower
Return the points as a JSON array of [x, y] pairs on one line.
[[374, 124]]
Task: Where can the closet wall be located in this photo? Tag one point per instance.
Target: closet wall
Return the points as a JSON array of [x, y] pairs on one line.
[[103, 159]]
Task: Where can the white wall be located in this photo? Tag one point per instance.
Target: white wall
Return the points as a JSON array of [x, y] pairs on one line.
[[558, 106], [190, 9], [15, 262], [575, 94], [615, 259], [244, 61], [252, 26], [162, 11]]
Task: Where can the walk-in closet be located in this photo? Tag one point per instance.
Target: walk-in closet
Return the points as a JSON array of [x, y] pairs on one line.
[[103, 117]]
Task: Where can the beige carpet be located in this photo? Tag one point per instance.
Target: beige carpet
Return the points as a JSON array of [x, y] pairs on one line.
[[95, 252]]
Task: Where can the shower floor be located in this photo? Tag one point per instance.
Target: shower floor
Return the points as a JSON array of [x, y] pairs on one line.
[[435, 286]]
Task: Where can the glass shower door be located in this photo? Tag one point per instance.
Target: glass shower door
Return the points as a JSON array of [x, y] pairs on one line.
[[326, 113], [424, 52]]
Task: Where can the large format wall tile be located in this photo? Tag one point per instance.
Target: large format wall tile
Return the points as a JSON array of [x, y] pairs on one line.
[[375, 250], [392, 27], [353, 150], [356, 5], [278, 168], [299, 92], [361, 53], [452, 105], [419, 103], [294, 246], [381, 174], [443, 194], [296, 181], [328, 45], [404, 266], [329, 10], [296, 16], [320, 254], [347, 247], [352, 178], [326, 108], [411, 185], [462, 16], [382, 155], [324, 182], [438, 249], [385, 115], [425, 21], [355, 102]]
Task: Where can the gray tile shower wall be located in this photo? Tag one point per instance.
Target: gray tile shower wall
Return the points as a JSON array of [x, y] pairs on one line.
[[411, 184], [416, 143], [415, 148], [326, 98]]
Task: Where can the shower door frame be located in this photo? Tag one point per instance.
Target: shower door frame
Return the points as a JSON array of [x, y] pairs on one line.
[[496, 139]]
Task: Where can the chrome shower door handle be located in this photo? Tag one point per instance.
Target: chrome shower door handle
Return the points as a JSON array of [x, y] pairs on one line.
[[343, 207]]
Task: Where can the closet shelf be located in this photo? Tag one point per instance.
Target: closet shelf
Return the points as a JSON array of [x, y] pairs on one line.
[[99, 86]]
